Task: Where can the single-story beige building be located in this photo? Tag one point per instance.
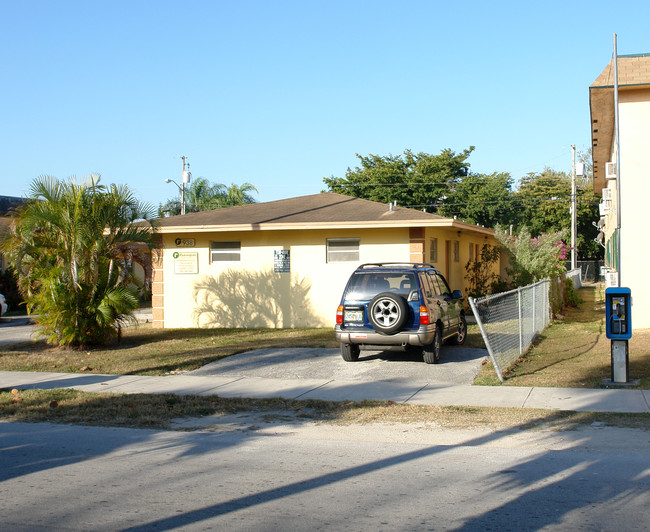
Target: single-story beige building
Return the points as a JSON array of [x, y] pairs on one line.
[[285, 263]]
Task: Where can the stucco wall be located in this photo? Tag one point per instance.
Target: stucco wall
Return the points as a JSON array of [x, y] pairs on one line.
[[248, 293], [634, 117]]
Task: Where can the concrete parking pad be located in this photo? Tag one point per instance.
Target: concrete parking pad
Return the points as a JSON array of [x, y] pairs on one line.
[[458, 365]]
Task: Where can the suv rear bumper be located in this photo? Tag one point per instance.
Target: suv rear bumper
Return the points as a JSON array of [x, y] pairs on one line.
[[423, 336]]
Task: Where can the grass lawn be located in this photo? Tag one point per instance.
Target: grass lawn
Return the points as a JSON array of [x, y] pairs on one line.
[[148, 351], [574, 352], [158, 411]]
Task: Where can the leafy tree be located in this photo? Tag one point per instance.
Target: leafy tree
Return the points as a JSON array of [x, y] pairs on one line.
[[201, 195], [482, 200], [544, 200], [71, 245], [587, 209], [417, 180]]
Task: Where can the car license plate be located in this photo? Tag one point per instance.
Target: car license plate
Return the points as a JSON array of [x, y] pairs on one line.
[[354, 315]]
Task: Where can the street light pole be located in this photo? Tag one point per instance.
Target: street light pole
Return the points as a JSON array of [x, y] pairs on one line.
[[184, 179]]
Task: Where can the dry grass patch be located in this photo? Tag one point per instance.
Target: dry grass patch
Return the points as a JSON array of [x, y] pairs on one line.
[[574, 351], [158, 411], [148, 351]]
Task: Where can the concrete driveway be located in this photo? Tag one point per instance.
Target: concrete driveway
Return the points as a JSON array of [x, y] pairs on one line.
[[458, 365]]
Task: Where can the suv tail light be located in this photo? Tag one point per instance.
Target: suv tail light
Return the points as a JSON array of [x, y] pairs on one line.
[[339, 315], [424, 316]]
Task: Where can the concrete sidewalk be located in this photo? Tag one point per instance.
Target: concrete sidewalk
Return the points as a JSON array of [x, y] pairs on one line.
[[399, 391]]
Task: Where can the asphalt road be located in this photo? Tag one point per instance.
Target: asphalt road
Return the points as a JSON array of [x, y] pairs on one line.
[[303, 476]]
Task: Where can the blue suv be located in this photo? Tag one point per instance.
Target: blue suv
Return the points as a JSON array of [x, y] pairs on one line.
[[403, 304]]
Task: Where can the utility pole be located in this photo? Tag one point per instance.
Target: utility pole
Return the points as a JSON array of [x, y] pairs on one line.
[[185, 178], [574, 210]]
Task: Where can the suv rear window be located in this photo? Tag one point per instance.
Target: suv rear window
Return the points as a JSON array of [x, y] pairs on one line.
[[366, 285]]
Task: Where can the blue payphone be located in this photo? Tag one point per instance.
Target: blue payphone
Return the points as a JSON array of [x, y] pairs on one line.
[[618, 316], [618, 313]]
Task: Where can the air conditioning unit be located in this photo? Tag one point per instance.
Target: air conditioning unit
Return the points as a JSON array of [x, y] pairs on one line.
[[610, 170], [606, 203]]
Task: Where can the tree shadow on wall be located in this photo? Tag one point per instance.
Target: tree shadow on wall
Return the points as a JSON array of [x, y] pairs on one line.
[[253, 299]]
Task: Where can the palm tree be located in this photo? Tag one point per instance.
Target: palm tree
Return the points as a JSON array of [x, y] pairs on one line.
[[70, 246], [201, 195], [239, 195]]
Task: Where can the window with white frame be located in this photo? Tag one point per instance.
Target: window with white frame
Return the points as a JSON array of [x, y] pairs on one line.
[[342, 249], [433, 250], [225, 251]]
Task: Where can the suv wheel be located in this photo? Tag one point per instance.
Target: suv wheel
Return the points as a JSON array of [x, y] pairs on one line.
[[431, 352], [388, 312], [350, 352], [462, 331]]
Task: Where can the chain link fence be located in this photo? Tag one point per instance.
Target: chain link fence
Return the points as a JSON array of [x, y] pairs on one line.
[[510, 321], [590, 270]]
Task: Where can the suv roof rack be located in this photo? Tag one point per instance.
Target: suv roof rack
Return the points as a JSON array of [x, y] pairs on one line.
[[394, 264]]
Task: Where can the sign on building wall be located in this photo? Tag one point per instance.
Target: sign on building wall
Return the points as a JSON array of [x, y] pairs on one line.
[[186, 262], [282, 261], [185, 242]]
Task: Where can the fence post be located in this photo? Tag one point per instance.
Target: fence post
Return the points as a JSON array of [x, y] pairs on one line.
[[535, 309], [521, 323], [485, 338], [549, 310]]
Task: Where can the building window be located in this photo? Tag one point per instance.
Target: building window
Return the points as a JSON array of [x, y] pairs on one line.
[[471, 252], [456, 251], [433, 250], [225, 251], [342, 249]]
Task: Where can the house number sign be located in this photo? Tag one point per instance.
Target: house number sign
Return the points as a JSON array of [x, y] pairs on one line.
[[185, 242]]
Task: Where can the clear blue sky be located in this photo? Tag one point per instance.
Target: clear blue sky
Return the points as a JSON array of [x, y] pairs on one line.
[[283, 93]]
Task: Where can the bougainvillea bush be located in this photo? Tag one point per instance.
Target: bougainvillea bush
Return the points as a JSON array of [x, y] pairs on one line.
[[534, 259]]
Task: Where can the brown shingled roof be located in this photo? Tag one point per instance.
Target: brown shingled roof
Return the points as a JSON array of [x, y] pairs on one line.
[[318, 211], [633, 73], [632, 70]]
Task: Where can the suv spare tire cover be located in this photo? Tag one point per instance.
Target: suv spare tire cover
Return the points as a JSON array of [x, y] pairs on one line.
[[388, 312]]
